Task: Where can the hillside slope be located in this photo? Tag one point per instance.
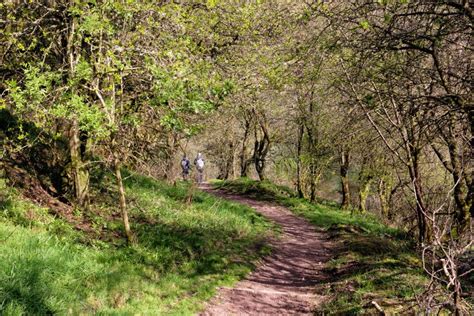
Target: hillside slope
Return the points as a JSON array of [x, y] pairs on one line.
[[81, 265]]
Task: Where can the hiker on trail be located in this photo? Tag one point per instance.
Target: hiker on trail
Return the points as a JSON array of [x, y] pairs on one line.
[[199, 163], [186, 166]]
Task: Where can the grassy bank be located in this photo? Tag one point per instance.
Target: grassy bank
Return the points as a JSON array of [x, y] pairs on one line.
[[371, 262], [183, 252]]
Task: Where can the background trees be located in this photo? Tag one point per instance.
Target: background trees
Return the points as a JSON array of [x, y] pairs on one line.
[[377, 98], [367, 103]]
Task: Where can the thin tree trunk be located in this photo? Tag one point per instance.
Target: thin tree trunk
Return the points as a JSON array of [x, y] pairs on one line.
[[384, 192], [122, 201], [346, 193], [260, 152], [312, 182], [363, 195], [260, 169], [244, 163], [171, 150], [461, 190], [299, 145], [80, 174], [312, 166], [229, 160], [312, 145], [262, 144], [79, 171], [420, 206]]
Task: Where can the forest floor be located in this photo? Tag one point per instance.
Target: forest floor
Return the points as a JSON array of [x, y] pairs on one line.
[[284, 282]]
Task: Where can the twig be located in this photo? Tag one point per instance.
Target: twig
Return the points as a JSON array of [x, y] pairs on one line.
[[377, 306]]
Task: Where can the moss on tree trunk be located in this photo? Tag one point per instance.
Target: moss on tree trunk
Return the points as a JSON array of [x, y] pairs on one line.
[[79, 171]]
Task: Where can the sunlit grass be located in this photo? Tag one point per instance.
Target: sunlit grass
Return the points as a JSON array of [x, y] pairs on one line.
[[183, 253]]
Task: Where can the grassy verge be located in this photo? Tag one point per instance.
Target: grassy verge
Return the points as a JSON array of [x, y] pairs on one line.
[[184, 251], [372, 262]]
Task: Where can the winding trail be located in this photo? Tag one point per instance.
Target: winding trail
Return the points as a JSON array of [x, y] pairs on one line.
[[284, 282]]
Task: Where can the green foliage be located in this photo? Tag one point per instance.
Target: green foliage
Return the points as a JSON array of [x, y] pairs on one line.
[[93, 24], [184, 252], [221, 90], [182, 95], [32, 100], [365, 24], [37, 87]]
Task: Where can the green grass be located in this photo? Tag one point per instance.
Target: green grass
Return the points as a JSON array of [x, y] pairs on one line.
[[184, 251], [371, 261]]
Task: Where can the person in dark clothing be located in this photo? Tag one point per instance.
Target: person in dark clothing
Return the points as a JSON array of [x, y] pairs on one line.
[[186, 166]]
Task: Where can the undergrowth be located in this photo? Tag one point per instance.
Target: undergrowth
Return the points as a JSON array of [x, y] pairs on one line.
[[371, 261], [184, 251]]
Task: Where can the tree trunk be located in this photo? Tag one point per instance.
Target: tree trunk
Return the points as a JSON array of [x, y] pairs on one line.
[[461, 190], [259, 158], [384, 192], [260, 167], [363, 195], [225, 163], [312, 181], [299, 145], [79, 171], [413, 152], [244, 162], [419, 197], [262, 144], [311, 129], [229, 160], [235, 162], [122, 201], [346, 193], [170, 151]]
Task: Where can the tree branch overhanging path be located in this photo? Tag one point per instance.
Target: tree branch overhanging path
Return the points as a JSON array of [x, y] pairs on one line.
[[283, 283]]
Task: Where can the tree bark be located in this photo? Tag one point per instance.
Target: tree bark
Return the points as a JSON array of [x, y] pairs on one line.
[[311, 129], [244, 162], [122, 201], [419, 197], [461, 183], [225, 162], [299, 145], [229, 160], [312, 182], [170, 151], [79, 171], [311, 166], [363, 195], [384, 192], [262, 144], [346, 193]]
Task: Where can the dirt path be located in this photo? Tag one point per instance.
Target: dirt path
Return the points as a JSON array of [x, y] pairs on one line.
[[284, 283]]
